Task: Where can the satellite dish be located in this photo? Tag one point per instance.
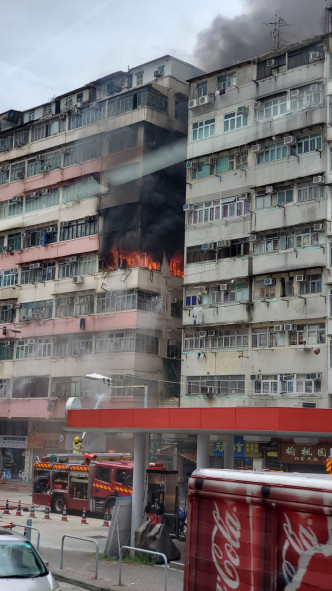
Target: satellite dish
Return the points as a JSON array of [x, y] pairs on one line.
[[73, 403]]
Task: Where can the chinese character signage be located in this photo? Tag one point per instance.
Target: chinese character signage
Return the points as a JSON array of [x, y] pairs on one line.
[[46, 441], [291, 453], [13, 441], [239, 448]]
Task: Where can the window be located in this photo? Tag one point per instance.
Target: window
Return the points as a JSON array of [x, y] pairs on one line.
[[84, 265], [84, 305], [14, 241], [4, 388], [39, 236], [33, 348], [103, 473], [230, 338], [79, 191], [285, 196], [236, 119], [312, 284], [272, 107], [263, 201], [82, 152], [192, 340], [139, 77], [87, 226], [226, 385], [11, 208], [79, 98], [6, 350], [44, 130], [307, 334], [36, 311], [262, 291], [267, 337], [272, 153], [307, 143], [45, 272], [308, 192], [86, 115], [173, 349], [47, 198], [267, 384], [7, 314], [203, 129], [130, 101], [237, 292], [74, 345], [8, 277], [226, 81], [301, 238], [64, 306], [126, 342], [17, 171], [124, 477], [202, 89], [234, 161], [4, 175]]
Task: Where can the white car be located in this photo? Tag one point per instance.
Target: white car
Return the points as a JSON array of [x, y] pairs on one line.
[[21, 567]]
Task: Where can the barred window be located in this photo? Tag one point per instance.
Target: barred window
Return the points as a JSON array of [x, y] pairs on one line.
[[84, 265], [38, 274]]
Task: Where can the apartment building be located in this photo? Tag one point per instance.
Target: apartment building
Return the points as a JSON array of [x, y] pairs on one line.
[[258, 267], [91, 240]]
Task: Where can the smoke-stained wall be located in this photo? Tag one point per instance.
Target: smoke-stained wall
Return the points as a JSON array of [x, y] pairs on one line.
[[248, 35]]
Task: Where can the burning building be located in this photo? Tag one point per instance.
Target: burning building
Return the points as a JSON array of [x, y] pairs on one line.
[[91, 238]]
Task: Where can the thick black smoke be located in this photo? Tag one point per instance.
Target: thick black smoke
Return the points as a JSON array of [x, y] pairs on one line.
[[245, 36]]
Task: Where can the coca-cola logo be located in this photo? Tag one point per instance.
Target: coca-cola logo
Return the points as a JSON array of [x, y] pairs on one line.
[[225, 544], [298, 543]]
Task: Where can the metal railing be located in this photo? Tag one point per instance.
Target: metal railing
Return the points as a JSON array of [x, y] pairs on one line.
[[84, 540], [26, 527], [146, 552]]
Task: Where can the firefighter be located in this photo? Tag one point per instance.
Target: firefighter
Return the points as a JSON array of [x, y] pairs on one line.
[[77, 445]]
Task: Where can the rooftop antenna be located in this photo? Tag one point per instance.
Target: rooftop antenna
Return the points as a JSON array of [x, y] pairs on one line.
[[278, 23]]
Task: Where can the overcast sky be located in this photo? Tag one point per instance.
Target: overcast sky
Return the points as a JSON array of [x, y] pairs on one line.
[[48, 48]]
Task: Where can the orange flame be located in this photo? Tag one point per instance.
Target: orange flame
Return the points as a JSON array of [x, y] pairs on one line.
[[176, 264], [131, 259]]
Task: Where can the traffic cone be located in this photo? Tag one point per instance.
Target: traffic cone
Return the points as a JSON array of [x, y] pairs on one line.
[[83, 520], [6, 509], [32, 511], [64, 514], [106, 521], [47, 512], [18, 510]]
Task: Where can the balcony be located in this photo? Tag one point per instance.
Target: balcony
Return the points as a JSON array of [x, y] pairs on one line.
[[289, 260], [214, 271]]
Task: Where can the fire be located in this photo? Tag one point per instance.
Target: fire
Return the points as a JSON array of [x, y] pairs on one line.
[[129, 259], [176, 264]]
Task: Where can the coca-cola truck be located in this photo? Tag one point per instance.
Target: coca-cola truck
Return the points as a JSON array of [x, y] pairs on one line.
[[258, 531]]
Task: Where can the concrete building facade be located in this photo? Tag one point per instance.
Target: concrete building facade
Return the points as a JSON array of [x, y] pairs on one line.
[[91, 195], [258, 275]]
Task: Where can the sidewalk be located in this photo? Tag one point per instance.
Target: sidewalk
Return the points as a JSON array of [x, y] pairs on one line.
[[79, 569]]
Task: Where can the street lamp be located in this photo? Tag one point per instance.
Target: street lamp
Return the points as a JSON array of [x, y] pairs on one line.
[[99, 377]]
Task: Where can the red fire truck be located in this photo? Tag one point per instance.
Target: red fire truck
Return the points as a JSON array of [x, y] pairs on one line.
[[82, 481], [259, 531]]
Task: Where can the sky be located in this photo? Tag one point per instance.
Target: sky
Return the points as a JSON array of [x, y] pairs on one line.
[[49, 48]]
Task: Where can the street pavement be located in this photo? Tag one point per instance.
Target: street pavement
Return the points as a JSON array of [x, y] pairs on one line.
[[79, 559]]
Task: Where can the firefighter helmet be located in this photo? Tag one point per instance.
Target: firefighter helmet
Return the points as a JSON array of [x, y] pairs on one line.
[[77, 439]]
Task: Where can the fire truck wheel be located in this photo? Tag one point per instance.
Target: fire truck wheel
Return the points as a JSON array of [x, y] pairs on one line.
[[109, 508], [58, 504]]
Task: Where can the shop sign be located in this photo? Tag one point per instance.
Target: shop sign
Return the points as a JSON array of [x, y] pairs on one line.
[[290, 453], [46, 441], [253, 450], [13, 441], [239, 448]]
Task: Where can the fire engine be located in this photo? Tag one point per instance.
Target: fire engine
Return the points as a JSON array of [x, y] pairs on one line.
[[82, 481]]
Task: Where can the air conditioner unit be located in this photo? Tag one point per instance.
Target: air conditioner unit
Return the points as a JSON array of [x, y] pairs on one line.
[[64, 150], [208, 160], [3, 248], [314, 87], [222, 243], [192, 103], [269, 281], [210, 390], [157, 73], [257, 148], [288, 327], [297, 93], [257, 105], [5, 343], [289, 140], [269, 189], [175, 301], [211, 333], [40, 157], [31, 341], [242, 109], [46, 168], [286, 377], [318, 227], [33, 194], [318, 180], [223, 287], [205, 246], [202, 334], [71, 259], [14, 199], [50, 228], [186, 207], [62, 116], [190, 164], [204, 100], [278, 328], [252, 237], [300, 277], [21, 175], [45, 191], [272, 63], [314, 56], [78, 279]]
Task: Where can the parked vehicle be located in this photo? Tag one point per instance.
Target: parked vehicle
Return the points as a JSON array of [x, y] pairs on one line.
[[21, 567], [84, 481], [258, 530]]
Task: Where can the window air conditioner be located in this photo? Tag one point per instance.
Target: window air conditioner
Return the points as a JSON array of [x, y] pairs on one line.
[[62, 116], [64, 150], [45, 192], [222, 243], [272, 63], [208, 160], [5, 343], [31, 341], [33, 194], [257, 105], [50, 228], [297, 93], [211, 333], [191, 164], [192, 103], [289, 140], [223, 287], [175, 301], [202, 334], [288, 327], [318, 180], [72, 259], [299, 277], [257, 148], [318, 227], [204, 100], [269, 189], [78, 279], [14, 199], [314, 87], [278, 328], [252, 237], [314, 56], [269, 281], [186, 207]]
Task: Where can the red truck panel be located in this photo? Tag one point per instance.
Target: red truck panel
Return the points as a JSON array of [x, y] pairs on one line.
[[258, 531]]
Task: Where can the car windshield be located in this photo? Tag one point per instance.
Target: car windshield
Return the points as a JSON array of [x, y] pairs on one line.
[[19, 559]]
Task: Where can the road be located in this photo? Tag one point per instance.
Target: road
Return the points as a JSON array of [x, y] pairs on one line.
[[68, 587]]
